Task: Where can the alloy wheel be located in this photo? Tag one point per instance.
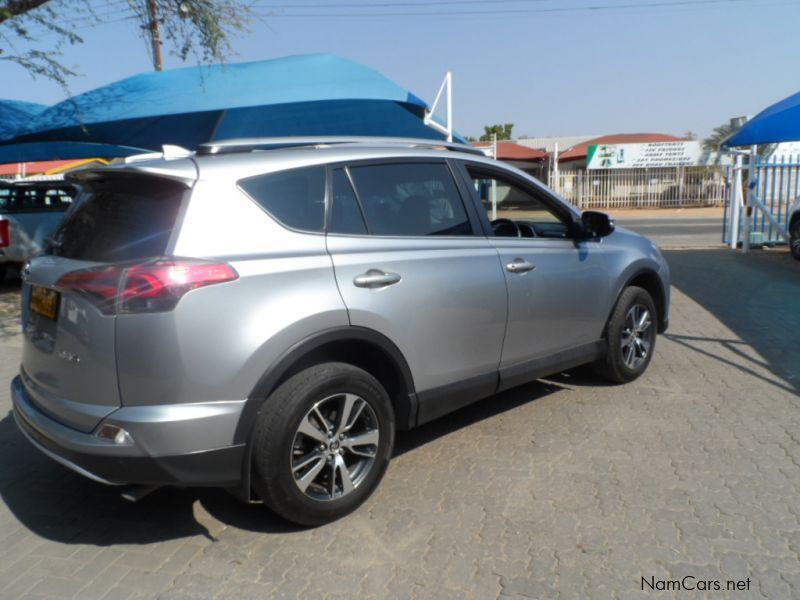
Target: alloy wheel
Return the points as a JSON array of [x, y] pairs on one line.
[[334, 447], [636, 336]]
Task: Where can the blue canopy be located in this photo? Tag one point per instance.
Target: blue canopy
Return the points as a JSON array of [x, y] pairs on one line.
[[310, 95], [15, 115], [778, 123]]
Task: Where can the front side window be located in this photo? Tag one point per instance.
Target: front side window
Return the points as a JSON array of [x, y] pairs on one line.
[[295, 198], [410, 199], [515, 210]]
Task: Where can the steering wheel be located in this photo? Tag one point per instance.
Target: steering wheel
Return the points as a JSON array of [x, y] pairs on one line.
[[506, 228]]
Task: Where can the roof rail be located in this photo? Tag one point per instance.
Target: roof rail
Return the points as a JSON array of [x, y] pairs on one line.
[[277, 143]]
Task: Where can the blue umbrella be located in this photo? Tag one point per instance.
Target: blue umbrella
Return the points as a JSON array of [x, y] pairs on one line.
[[312, 95], [778, 123], [15, 115]]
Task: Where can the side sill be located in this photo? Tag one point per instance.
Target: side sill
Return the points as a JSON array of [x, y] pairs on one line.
[[530, 370], [440, 401]]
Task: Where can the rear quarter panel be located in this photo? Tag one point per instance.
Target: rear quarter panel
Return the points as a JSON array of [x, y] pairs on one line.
[[219, 340]]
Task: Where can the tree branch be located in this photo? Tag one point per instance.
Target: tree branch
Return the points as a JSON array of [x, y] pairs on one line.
[[14, 8]]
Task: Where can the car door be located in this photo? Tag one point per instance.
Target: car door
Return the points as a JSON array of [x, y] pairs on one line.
[[410, 266], [557, 288]]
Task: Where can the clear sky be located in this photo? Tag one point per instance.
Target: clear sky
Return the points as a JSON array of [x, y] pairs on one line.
[[551, 67]]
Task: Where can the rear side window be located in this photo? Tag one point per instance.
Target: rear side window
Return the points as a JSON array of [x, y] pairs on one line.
[[296, 198], [119, 219], [410, 199]]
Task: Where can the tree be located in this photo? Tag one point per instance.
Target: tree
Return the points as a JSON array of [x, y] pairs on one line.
[[199, 28], [690, 135], [713, 142], [503, 132]]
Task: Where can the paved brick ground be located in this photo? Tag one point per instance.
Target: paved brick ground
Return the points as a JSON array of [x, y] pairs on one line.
[[561, 489]]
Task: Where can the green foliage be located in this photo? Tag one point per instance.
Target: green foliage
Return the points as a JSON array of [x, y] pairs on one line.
[[713, 142], [503, 132], [26, 22], [34, 33], [198, 28]]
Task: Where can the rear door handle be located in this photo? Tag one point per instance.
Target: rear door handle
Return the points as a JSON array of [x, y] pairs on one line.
[[375, 278], [519, 265]]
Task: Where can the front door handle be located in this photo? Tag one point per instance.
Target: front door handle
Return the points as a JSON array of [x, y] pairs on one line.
[[520, 265], [375, 278]]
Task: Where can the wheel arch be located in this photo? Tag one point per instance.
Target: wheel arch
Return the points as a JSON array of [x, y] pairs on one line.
[[359, 346], [647, 279]]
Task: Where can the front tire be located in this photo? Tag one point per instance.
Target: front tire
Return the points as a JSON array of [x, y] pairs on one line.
[[630, 337], [794, 238], [322, 442]]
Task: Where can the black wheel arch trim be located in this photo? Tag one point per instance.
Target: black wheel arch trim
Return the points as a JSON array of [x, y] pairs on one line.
[[660, 302], [348, 333]]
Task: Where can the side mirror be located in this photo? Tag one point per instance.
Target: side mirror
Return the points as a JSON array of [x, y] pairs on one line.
[[596, 224]]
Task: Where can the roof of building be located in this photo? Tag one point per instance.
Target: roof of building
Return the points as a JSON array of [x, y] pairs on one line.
[[507, 150], [548, 143], [581, 150], [45, 166]]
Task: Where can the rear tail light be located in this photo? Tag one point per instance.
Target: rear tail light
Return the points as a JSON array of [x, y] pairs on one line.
[[154, 286], [5, 233]]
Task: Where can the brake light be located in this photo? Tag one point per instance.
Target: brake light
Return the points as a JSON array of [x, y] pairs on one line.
[[149, 287], [5, 233]]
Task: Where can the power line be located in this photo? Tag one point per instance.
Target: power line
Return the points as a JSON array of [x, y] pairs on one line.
[[379, 5], [503, 11]]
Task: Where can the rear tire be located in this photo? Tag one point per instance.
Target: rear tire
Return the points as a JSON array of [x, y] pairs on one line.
[[322, 442], [794, 238], [630, 337]]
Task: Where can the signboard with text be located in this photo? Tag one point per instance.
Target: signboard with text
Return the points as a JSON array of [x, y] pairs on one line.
[[649, 155]]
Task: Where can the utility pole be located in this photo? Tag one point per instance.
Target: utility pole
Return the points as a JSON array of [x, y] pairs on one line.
[[155, 35]]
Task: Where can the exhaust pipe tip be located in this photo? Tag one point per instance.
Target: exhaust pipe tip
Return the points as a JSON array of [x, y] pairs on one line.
[[134, 493]]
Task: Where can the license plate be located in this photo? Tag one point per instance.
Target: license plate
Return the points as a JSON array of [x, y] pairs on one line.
[[44, 301]]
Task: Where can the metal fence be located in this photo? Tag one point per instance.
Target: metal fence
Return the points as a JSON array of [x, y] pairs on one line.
[[775, 185], [643, 188]]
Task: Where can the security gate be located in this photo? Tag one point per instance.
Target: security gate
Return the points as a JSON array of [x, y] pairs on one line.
[[768, 193]]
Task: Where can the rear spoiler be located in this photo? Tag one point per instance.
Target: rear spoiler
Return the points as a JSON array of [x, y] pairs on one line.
[[180, 171]]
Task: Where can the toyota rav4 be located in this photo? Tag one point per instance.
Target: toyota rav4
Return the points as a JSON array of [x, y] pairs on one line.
[[263, 315]]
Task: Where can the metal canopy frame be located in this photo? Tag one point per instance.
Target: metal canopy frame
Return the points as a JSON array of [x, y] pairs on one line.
[[447, 87]]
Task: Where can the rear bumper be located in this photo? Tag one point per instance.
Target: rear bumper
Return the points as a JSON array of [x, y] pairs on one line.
[[174, 427]]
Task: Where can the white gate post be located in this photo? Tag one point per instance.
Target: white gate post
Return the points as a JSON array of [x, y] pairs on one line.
[[555, 185], [736, 196], [494, 182], [748, 208]]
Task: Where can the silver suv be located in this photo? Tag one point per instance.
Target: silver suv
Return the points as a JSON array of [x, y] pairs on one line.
[[264, 314]]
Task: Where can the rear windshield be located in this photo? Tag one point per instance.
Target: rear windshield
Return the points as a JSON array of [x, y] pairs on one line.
[[119, 219], [34, 198]]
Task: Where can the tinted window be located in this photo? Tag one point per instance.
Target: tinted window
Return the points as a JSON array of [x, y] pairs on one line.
[[296, 198], [32, 198], [119, 219], [410, 199], [345, 213]]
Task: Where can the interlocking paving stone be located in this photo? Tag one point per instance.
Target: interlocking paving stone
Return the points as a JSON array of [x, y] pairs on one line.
[[565, 488]]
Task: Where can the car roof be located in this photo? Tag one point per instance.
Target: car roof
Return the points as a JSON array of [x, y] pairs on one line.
[[235, 159]]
